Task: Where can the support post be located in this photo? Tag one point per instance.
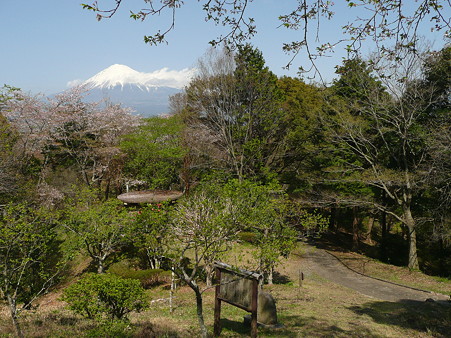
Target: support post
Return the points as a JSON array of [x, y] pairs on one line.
[[217, 323], [254, 308], [171, 293]]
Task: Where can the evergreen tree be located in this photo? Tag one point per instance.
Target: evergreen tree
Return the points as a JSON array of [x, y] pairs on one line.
[[235, 107]]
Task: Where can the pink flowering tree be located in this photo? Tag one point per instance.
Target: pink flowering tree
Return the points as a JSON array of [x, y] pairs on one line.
[[66, 131]]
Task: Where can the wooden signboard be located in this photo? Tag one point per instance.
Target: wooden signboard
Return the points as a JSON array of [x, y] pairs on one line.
[[239, 288]]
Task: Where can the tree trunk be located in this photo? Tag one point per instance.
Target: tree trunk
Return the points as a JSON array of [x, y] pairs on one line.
[[85, 176], [153, 259], [13, 311], [200, 315], [185, 175], [384, 231], [152, 262], [333, 219], [107, 189], [209, 274], [410, 223], [442, 259], [262, 271], [370, 229], [270, 276], [101, 267], [355, 228], [413, 257]]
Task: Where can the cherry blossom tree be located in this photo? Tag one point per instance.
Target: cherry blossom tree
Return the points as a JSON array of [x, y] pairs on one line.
[[68, 131]]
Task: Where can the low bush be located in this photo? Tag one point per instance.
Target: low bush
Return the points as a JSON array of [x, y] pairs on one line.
[[101, 296], [148, 278]]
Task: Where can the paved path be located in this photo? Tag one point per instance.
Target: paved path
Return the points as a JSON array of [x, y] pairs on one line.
[[327, 266]]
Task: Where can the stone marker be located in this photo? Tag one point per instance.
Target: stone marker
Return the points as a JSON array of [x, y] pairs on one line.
[[266, 310]]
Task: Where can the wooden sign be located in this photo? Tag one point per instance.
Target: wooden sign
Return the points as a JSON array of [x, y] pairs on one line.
[[239, 288]]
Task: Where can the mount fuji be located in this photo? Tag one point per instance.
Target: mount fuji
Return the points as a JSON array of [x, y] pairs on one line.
[[146, 93]]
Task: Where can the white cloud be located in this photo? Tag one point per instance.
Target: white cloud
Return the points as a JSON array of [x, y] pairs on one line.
[[170, 78], [74, 83]]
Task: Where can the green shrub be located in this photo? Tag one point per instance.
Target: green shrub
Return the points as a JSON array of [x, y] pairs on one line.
[[105, 295], [147, 278]]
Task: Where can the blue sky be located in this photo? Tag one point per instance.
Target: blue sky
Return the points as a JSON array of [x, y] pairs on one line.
[[48, 43]]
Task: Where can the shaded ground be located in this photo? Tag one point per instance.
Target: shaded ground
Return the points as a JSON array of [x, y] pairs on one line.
[[320, 262]]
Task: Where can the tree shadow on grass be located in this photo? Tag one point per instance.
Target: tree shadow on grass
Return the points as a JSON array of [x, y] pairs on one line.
[[295, 326], [239, 328], [280, 279], [426, 317], [149, 330], [235, 326]]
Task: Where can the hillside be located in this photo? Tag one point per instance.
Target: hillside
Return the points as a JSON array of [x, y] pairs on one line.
[[317, 308]]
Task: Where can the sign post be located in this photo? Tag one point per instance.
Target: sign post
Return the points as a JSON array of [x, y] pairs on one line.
[[239, 288]]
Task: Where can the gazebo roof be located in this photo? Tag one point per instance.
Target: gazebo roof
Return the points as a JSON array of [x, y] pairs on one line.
[[150, 196]]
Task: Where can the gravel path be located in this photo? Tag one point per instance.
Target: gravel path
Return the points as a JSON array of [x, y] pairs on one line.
[[327, 266]]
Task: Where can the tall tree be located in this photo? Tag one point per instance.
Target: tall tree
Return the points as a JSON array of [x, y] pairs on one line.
[[30, 257], [235, 107], [101, 227], [304, 133], [387, 133], [202, 228], [18, 167], [438, 203], [260, 120], [155, 152]]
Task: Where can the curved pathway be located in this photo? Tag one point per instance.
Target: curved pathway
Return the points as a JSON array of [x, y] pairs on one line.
[[327, 266]]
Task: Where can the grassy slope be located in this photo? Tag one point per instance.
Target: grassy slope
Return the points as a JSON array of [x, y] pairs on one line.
[[318, 308]]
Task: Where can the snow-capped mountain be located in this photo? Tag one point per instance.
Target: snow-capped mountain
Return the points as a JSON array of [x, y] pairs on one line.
[[146, 93]]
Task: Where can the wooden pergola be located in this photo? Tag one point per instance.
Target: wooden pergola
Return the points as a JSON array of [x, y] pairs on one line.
[[149, 196]]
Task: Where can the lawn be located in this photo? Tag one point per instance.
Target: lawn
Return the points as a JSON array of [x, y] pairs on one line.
[[317, 308]]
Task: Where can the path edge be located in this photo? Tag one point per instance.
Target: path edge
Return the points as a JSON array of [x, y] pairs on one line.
[[386, 281]]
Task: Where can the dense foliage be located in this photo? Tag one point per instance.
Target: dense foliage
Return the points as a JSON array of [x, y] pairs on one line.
[[155, 152]]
